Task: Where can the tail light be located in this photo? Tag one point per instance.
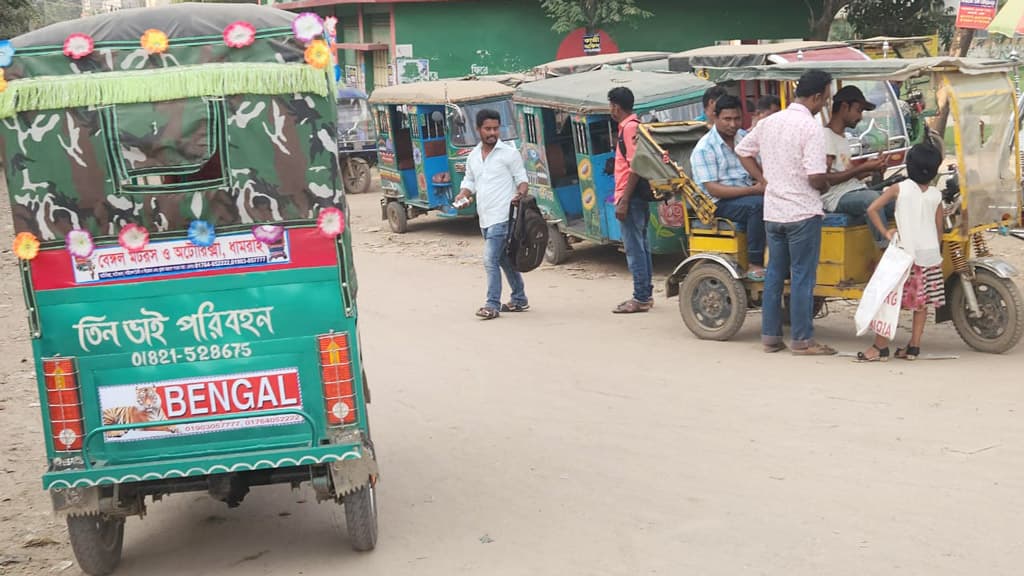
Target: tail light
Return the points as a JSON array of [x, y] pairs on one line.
[[64, 403], [336, 374]]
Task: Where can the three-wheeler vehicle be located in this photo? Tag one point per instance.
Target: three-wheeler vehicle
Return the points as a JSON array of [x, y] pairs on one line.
[[426, 132], [569, 144], [357, 140], [187, 272], [981, 191]]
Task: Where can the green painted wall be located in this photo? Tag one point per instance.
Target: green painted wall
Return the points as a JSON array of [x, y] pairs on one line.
[[514, 35]]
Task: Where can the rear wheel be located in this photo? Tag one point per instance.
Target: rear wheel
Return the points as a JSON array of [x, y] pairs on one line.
[[557, 250], [96, 540], [1001, 323], [398, 219], [712, 303], [356, 172], [361, 517]]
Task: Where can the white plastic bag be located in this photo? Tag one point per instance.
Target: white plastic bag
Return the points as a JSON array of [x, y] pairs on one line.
[[879, 308]]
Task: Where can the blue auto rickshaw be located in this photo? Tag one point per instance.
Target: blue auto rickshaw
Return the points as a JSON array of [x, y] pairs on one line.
[[569, 141]]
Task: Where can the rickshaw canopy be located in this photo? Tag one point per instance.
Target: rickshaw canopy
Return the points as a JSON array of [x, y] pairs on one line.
[[567, 66], [733, 55], [441, 92], [587, 93], [882, 70]]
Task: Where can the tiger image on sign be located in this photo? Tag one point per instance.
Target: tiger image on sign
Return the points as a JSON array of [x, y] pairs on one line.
[[148, 408]]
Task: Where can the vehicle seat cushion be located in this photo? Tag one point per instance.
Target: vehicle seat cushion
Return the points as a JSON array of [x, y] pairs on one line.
[[698, 225]]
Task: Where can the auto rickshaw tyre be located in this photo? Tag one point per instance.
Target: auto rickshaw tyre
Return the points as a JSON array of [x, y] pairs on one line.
[[361, 517], [97, 540], [712, 303], [356, 172], [1008, 321], [557, 250], [398, 219]]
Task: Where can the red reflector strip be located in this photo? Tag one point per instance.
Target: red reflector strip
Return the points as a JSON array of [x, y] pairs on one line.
[[63, 403], [336, 374]]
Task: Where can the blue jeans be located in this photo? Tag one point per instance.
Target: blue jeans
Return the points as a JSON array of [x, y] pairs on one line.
[[748, 210], [495, 260], [856, 202], [638, 249], [793, 248]]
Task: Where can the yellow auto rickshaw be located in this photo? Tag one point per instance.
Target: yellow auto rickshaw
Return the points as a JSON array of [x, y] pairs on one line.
[[981, 192]]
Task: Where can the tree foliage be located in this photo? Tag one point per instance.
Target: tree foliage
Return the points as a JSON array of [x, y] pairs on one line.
[[16, 17], [569, 15], [900, 18], [820, 21]]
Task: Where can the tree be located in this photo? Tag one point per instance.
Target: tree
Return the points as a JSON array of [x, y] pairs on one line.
[[18, 16], [592, 14], [900, 18], [820, 22]]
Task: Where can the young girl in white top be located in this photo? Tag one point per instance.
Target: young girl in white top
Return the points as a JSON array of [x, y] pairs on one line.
[[919, 227]]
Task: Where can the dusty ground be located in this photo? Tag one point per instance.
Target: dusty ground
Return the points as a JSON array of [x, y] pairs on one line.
[[570, 441]]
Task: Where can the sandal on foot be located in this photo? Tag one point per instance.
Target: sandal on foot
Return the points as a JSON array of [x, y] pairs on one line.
[[883, 355], [815, 350], [773, 348], [632, 307], [756, 275], [510, 307], [486, 313], [908, 353]]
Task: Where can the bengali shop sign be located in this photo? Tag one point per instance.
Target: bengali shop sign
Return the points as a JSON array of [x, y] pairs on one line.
[[976, 14], [169, 257]]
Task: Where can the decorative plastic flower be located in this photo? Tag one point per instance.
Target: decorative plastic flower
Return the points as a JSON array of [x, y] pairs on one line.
[[331, 26], [78, 46], [26, 246], [318, 55], [6, 53], [133, 237], [331, 222], [79, 243], [3, 82], [154, 41], [239, 34], [200, 233], [307, 26], [268, 233]]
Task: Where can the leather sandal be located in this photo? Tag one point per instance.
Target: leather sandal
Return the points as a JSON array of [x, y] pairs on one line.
[[908, 353], [815, 349], [883, 355]]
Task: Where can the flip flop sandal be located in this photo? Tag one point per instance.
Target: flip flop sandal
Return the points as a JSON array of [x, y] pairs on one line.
[[883, 355], [510, 307], [487, 313], [756, 276], [773, 348], [816, 350], [631, 307], [908, 353]]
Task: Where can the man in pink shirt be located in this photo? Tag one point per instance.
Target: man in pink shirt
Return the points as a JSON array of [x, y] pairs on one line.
[[632, 204], [791, 145]]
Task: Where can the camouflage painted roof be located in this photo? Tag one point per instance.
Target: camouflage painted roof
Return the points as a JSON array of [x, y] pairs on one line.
[[588, 92], [441, 92], [189, 20]]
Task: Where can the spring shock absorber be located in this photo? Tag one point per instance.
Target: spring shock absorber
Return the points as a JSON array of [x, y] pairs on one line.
[[957, 257], [980, 245], [966, 274]]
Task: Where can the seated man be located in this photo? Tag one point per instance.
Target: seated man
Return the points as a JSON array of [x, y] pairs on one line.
[[718, 172], [766, 106], [711, 95], [847, 194]]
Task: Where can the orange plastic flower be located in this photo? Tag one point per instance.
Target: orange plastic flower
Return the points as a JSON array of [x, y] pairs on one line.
[[154, 41], [3, 82], [318, 55], [26, 246]]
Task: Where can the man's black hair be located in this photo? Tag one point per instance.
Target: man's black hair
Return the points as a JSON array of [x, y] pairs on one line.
[[923, 163], [485, 115], [727, 102], [712, 95], [767, 102], [622, 97], [813, 82]]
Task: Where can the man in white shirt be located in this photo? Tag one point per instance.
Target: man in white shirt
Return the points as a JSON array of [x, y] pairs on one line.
[[847, 194], [496, 176]]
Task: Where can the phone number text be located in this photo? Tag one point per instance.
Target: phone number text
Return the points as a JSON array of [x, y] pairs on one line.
[[191, 354]]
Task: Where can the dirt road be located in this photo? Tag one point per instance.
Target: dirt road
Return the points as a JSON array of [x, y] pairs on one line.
[[570, 441]]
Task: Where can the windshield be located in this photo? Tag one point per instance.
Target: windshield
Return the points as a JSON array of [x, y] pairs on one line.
[[881, 129], [463, 127], [684, 112], [354, 120]]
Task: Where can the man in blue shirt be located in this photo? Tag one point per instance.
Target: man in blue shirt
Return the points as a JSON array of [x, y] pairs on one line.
[[719, 173]]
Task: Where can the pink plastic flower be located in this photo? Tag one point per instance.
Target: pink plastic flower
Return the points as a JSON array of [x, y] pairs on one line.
[[268, 233], [331, 26], [79, 243], [331, 222], [78, 46], [239, 34], [307, 26], [133, 238]]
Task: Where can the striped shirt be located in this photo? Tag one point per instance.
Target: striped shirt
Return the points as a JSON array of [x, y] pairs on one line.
[[713, 160]]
